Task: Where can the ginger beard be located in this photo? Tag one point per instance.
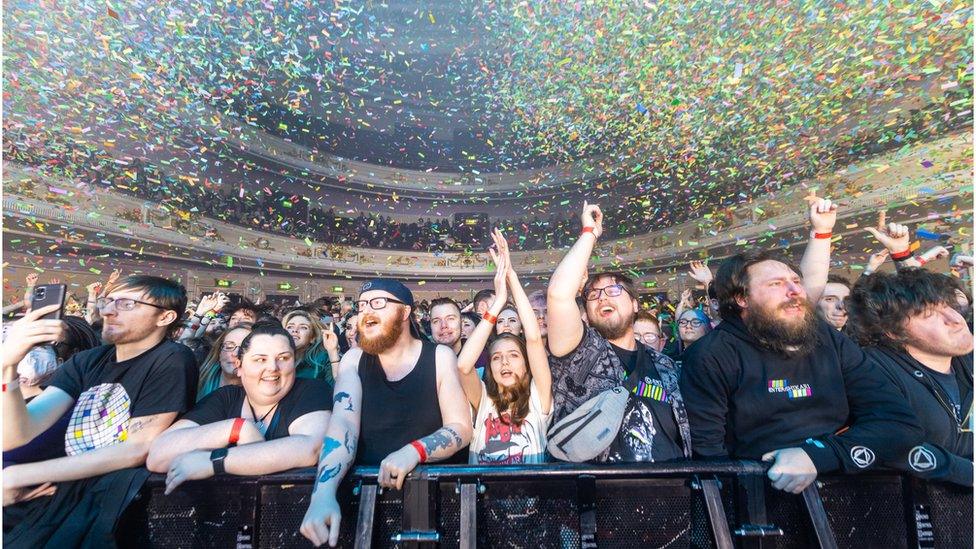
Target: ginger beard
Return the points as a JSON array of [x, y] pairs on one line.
[[780, 329], [386, 338]]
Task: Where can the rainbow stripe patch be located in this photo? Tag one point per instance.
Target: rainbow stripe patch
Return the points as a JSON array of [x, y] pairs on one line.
[[653, 392], [777, 383]]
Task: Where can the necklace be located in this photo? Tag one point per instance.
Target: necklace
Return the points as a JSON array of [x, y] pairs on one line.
[[260, 422]]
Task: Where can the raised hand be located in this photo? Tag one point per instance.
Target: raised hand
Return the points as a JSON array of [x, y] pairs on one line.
[[592, 216], [94, 289], [207, 304], [112, 278], [876, 260], [686, 299], [501, 261], [936, 252], [27, 332], [222, 301], [894, 237], [31, 280], [700, 272], [823, 213]]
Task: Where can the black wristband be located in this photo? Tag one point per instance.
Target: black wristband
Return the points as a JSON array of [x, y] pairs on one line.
[[900, 259], [217, 460]]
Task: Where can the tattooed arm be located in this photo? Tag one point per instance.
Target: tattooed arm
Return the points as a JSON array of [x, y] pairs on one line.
[[321, 522], [131, 453]]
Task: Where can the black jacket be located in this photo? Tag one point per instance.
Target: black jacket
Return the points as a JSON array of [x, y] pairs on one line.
[[947, 453], [744, 400]]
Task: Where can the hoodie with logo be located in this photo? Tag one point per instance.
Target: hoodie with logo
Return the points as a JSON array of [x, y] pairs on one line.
[[745, 400]]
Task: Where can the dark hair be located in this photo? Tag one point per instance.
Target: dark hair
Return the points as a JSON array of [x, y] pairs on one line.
[[265, 328], [521, 410], [444, 301], [473, 317], [244, 305], [880, 304], [732, 278], [78, 336], [618, 278], [168, 294], [483, 295], [837, 279]]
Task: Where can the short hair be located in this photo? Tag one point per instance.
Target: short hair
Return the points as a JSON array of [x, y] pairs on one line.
[[265, 328], [539, 295], [880, 304], [732, 278], [837, 279], [483, 295], [645, 316], [168, 294], [245, 304], [472, 316], [618, 278], [444, 301]]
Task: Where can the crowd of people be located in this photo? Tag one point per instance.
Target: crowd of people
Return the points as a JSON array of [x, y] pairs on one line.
[[278, 212], [780, 362]]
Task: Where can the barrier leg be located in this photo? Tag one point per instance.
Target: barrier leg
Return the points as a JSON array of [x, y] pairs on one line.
[[419, 513], [751, 491], [367, 509], [586, 499], [469, 516], [818, 517], [919, 513], [716, 513]]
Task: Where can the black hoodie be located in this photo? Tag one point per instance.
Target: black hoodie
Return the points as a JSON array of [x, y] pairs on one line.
[[745, 400], [948, 450]]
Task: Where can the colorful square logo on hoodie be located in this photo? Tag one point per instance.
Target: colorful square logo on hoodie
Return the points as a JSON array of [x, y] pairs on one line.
[[802, 390]]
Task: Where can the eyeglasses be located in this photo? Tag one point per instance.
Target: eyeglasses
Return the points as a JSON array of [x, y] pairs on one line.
[[612, 290], [647, 338], [694, 323], [123, 303], [230, 347], [377, 303]]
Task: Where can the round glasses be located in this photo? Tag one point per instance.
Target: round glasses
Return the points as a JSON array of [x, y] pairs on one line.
[[230, 347], [612, 290], [648, 338]]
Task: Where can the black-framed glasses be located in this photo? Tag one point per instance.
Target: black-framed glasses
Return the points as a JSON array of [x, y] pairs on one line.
[[612, 290], [376, 303], [123, 303], [694, 323], [648, 338]]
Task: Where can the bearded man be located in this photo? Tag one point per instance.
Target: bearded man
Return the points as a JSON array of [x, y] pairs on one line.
[[397, 403], [774, 382], [589, 359]]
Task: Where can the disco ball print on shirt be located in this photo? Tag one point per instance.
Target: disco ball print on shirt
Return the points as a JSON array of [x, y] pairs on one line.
[[100, 418]]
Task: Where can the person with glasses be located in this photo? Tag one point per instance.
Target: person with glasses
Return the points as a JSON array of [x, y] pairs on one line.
[[692, 325], [589, 360], [647, 330], [398, 403], [907, 323], [122, 395], [273, 421], [220, 366]]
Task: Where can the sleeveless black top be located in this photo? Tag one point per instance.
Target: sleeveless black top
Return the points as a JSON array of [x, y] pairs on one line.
[[395, 413]]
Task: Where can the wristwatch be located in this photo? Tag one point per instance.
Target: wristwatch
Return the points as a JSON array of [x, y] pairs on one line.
[[217, 460]]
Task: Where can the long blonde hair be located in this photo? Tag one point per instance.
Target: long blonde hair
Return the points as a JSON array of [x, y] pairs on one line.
[[314, 354]]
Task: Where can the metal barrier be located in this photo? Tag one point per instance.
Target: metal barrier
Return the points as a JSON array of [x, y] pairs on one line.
[[682, 504]]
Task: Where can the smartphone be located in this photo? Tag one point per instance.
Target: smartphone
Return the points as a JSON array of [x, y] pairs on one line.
[[49, 294]]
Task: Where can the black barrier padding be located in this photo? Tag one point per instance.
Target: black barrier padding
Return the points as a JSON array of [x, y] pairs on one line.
[[283, 507], [951, 511], [653, 513], [198, 514], [529, 514], [449, 516]]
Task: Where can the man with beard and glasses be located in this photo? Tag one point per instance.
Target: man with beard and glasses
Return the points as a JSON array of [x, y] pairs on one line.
[[907, 322], [398, 403], [774, 382], [588, 360], [122, 395]]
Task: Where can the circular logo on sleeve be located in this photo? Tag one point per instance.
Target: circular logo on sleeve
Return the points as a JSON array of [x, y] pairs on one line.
[[862, 456], [921, 459]]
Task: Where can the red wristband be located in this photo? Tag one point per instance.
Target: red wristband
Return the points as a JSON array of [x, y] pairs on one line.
[[921, 261], [420, 450], [235, 431], [902, 255], [823, 235], [588, 230], [11, 386], [490, 317]]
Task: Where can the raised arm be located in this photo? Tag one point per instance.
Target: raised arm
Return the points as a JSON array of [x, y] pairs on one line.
[[321, 522], [534, 346], [875, 262], [562, 315], [815, 264], [896, 238], [475, 344]]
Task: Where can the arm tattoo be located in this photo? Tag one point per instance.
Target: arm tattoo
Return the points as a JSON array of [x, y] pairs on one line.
[[330, 473], [343, 396], [350, 443], [442, 438], [139, 424], [328, 446]]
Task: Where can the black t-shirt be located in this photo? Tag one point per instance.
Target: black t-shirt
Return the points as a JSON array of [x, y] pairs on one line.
[[108, 393], [306, 396], [950, 386], [648, 410]]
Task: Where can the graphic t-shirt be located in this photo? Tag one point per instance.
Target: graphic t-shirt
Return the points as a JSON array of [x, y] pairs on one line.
[[108, 393], [497, 442], [306, 396]]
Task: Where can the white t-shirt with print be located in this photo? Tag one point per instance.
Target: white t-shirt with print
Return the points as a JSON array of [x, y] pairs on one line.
[[499, 443]]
